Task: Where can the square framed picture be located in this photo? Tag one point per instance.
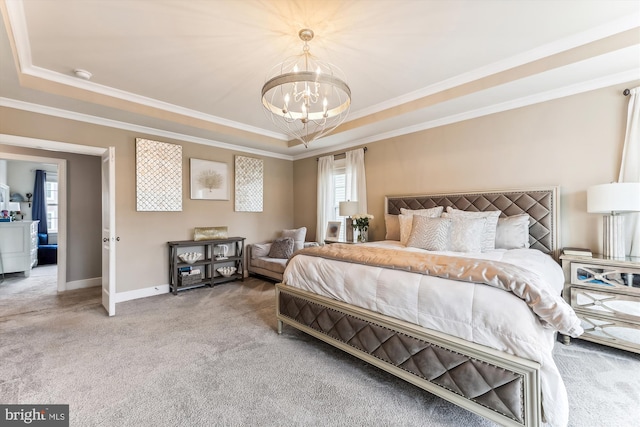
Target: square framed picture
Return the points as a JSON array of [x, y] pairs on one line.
[[333, 230], [209, 180]]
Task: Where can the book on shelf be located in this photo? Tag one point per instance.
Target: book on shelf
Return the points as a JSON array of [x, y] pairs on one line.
[[577, 251]]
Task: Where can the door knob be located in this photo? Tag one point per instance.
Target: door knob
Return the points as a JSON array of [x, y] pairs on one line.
[[105, 240]]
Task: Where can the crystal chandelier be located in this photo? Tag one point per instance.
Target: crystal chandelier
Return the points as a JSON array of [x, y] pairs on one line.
[[306, 98]]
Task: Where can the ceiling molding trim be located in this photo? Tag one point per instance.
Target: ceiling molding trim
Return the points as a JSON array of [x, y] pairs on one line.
[[85, 118], [19, 29], [56, 77], [18, 22], [595, 34], [599, 83]]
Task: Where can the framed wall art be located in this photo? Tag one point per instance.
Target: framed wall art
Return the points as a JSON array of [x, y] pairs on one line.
[[209, 180], [249, 184], [158, 176]]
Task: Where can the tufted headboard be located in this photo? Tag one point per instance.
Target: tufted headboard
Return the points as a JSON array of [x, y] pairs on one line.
[[541, 204]]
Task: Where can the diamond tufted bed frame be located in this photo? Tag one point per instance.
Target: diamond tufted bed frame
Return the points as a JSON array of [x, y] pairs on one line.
[[496, 385]]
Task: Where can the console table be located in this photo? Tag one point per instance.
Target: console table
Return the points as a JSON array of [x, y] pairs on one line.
[[211, 260]]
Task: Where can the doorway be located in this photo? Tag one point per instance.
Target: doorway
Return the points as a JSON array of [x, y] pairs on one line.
[[62, 284]]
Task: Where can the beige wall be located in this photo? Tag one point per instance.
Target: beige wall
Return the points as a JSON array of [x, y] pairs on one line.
[[141, 253], [574, 142]]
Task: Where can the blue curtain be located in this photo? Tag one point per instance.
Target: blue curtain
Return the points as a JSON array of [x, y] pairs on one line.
[[39, 211]]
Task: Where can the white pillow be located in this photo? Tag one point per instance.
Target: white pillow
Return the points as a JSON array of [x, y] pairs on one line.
[[298, 235], [406, 220], [512, 232], [430, 212], [431, 234], [489, 232], [465, 234]]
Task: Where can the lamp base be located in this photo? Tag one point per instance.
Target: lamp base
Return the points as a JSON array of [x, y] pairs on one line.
[[613, 236], [348, 229]]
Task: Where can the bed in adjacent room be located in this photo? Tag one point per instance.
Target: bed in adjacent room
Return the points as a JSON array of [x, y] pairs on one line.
[[462, 299]]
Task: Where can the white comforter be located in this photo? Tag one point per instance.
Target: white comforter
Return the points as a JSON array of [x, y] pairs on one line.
[[474, 312]]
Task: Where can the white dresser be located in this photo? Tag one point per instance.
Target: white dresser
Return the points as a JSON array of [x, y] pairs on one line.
[[18, 246]]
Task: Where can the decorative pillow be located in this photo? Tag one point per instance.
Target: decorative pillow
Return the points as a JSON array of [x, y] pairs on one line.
[[406, 219], [259, 250], [489, 232], [513, 232], [281, 248], [392, 225], [405, 227], [430, 212], [431, 234], [298, 235], [465, 234]]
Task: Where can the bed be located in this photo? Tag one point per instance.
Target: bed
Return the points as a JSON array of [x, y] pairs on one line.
[[482, 348]]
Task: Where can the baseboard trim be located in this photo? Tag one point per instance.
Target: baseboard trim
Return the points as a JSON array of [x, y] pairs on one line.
[[84, 283], [142, 293]]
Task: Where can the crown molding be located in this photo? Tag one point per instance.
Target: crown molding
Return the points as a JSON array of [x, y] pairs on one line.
[[592, 35], [599, 83], [86, 118]]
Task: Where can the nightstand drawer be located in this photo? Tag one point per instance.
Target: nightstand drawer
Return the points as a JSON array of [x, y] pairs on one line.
[[614, 305], [610, 277], [611, 332]]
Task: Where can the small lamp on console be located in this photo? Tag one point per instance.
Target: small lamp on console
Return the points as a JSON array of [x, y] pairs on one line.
[[612, 200], [347, 209]]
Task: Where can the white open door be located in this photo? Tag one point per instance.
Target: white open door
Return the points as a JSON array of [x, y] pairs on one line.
[[109, 231]]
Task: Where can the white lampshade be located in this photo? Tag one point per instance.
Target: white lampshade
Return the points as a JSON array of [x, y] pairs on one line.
[[14, 206], [348, 208], [614, 197]]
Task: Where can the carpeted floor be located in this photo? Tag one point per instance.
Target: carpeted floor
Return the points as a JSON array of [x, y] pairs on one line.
[[211, 356]]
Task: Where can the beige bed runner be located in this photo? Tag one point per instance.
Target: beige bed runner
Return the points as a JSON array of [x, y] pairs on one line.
[[551, 309]]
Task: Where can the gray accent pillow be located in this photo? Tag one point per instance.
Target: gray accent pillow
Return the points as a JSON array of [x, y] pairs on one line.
[[281, 248], [465, 234], [431, 234], [489, 232], [260, 250], [298, 235], [512, 232], [430, 212]]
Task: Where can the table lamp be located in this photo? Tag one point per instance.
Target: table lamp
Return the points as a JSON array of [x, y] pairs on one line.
[[612, 200], [347, 209], [14, 210]]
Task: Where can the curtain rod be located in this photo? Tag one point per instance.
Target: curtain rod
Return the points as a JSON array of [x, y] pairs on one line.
[[626, 92], [341, 154]]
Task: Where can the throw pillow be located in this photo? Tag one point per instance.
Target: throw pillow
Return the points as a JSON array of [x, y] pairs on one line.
[[281, 248], [406, 220], [489, 232], [392, 225], [430, 212], [259, 250], [513, 232], [298, 235], [466, 235], [431, 234]]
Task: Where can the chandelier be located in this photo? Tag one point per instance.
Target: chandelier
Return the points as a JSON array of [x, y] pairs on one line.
[[306, 98]]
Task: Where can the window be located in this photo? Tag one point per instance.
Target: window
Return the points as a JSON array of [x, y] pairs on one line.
[[340, 188], [51, 195]]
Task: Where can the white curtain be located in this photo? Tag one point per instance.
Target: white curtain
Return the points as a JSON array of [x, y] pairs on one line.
[[326, 196], [630, 169], [355, 179]]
